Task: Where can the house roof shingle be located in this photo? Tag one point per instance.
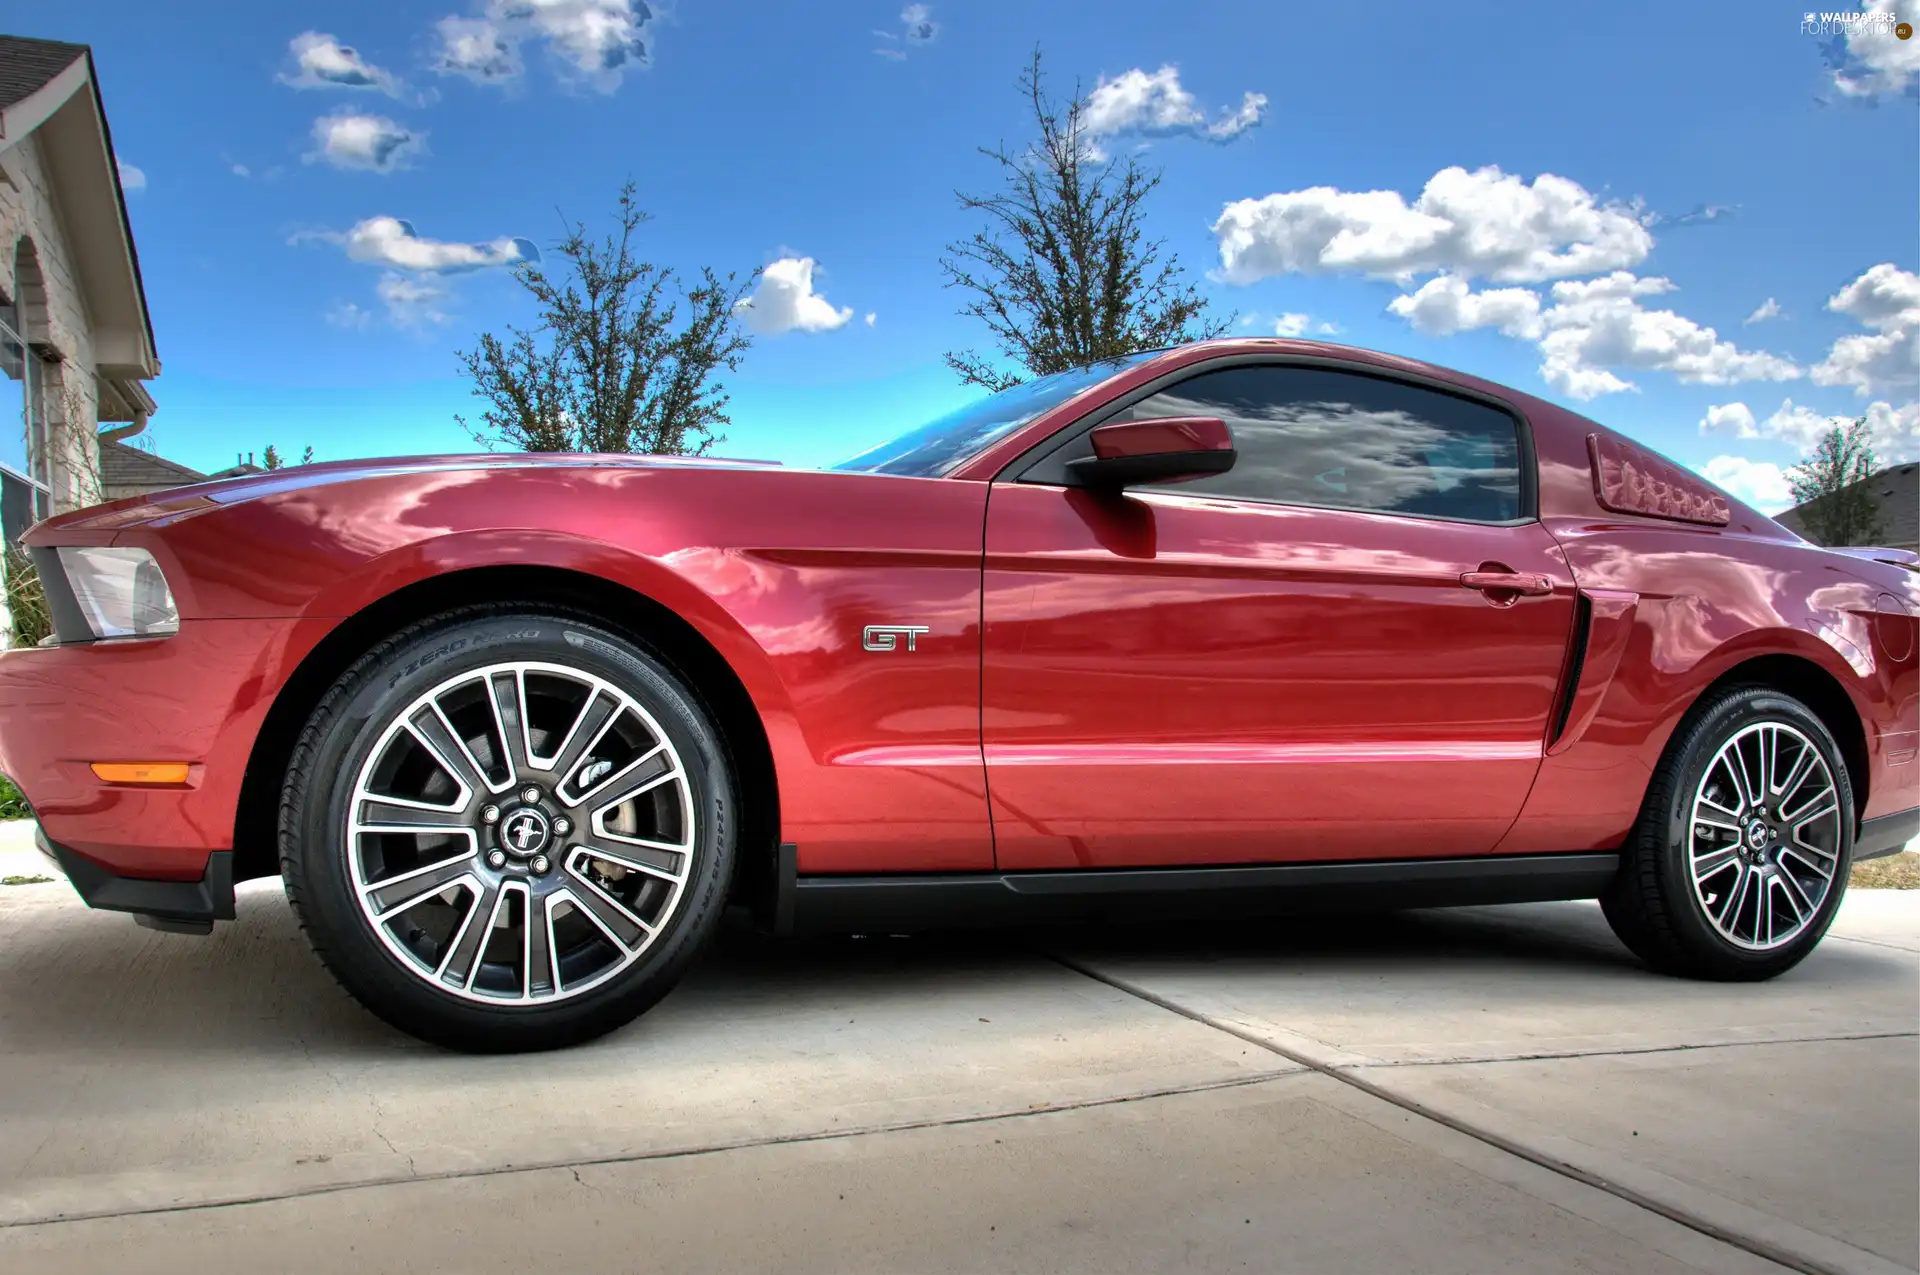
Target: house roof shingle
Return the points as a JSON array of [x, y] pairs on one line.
[[26, 65], [1896, 489], [123, 467]]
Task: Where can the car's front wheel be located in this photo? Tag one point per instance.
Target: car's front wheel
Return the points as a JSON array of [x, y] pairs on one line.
[[508, 830], [1740, 858]]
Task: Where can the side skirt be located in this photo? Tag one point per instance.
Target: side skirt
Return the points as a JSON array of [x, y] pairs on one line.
[[845, 904]]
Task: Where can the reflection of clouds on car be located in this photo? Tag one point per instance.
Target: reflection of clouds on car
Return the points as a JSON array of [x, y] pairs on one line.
[[1372, 445]]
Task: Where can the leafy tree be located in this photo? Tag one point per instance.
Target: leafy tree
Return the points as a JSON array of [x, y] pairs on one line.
[[1835, 507], [624, 359], [272, 459], [1063, 275]]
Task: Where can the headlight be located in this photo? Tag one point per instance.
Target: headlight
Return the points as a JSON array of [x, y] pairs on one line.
[[120, 592]]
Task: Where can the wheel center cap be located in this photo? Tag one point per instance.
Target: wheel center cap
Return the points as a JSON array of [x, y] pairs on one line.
[[1758, 834], [525, 833]]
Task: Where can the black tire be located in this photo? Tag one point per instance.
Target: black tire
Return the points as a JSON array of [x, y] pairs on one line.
[[1652, 905], [320, 785]]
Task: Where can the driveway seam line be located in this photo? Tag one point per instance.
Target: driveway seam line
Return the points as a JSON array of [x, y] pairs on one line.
[[1693, 1222], [1630, 1052], [641, 1157]]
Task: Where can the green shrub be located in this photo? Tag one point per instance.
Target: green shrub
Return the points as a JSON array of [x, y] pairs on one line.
[[26, 600], [12, 804]]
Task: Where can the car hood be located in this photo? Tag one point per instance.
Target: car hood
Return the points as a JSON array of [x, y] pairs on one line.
[[176, 502]]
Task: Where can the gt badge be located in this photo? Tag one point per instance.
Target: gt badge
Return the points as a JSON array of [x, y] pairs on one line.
[[886, 637]]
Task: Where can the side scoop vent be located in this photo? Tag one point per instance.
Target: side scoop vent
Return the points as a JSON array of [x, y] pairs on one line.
[[1629, 479]]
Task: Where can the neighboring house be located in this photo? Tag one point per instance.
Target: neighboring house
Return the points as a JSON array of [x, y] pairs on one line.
[[76, 345], [132, 471], [1896, 489]]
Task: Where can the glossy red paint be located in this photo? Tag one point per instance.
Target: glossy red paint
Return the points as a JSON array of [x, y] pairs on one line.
[[1228, 681], [1127, 679], [1170, 435]]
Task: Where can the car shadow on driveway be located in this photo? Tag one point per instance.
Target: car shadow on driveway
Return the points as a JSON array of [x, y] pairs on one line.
[[71, 979]]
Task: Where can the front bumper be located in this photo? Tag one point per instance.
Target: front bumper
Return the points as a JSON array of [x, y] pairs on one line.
[[182, 907], [198, 697]]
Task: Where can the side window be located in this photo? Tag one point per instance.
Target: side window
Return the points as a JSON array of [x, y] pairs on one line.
[[1309, 436]]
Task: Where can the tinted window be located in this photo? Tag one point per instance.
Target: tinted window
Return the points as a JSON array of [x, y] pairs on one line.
[[942, 445], [1307, 436]]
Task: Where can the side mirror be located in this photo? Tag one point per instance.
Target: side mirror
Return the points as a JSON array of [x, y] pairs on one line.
[[1129, 453]]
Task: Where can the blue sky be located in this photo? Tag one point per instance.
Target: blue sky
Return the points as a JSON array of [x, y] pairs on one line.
[[1628, 176]]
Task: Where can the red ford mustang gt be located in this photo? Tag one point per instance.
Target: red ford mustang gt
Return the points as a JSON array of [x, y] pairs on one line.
[[1241, 625]]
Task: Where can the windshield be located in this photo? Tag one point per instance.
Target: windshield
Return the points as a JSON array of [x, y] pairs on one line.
[[939, 446]]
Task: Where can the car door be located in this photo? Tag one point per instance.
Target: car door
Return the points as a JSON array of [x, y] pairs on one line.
[[1348, 646]]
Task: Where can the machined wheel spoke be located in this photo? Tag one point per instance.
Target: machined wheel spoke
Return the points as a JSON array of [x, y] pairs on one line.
[[605, 911], [462, 960], [1730, 815], [542, 971], [1731, 912], [1796, 898], [1802, 764], [1742, 781], [649, 769], [1763, 919], [1714, 861], [652, 859], [509, 714], [395, 895], [1721, 822], [1818, 808], [595, 716], [431, 727], [1813, 864], [1769, 743]]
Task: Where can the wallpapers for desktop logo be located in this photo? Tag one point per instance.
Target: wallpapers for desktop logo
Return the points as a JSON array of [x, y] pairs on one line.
[[1856, 23]]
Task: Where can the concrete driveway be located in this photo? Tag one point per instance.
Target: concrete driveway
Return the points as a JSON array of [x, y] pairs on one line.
[[1497, 1089]]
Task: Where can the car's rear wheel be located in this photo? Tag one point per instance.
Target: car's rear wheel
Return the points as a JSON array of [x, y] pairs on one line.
[[508, 830], [1740, 858]]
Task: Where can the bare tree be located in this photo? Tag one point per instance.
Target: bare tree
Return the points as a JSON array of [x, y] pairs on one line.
[[624, 359], [1835, 507], [1063, 275]]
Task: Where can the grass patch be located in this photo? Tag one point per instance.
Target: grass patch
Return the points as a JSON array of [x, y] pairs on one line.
[[1891, 872], [12, 804], [24, 880]]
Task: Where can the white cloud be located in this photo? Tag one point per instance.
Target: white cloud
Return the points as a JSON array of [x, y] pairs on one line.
[[1729, 418], [350, 316], [784, 301], [1895, 431], [1886, 299], [1768, 309], [1154, 105], [1483, 223], [321, 61], [598, 41], [871, 318], [1877, 62], [1291, 324], [1596, 325], [1761, 484], [370, 142], [389, 241], [1445, 305], [241, 170], [413, 302], [477, 49], [131, 178]]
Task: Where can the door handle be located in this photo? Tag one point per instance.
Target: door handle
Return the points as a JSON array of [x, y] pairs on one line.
[[1524, 583]]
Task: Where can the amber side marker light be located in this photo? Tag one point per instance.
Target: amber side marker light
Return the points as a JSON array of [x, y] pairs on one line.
[[146, 773]]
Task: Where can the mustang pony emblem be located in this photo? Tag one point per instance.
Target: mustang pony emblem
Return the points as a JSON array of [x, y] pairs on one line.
[[886, 637]]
